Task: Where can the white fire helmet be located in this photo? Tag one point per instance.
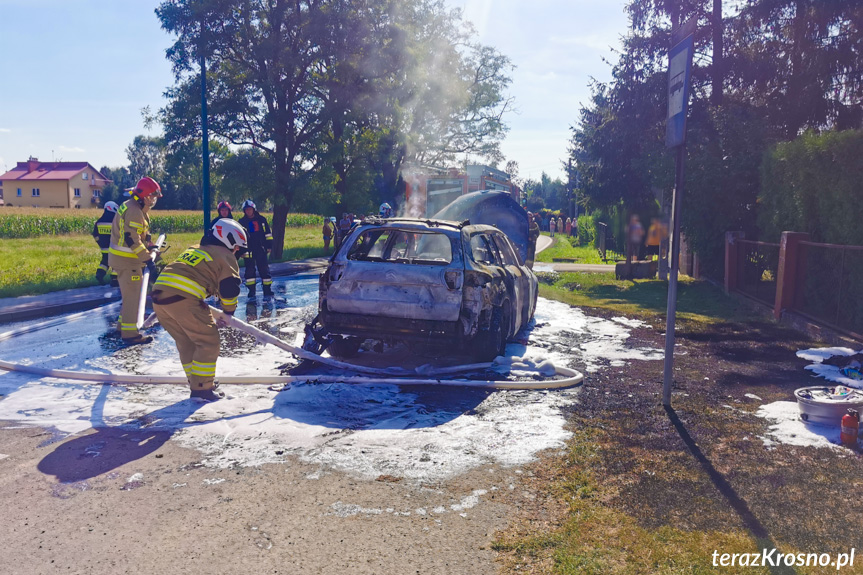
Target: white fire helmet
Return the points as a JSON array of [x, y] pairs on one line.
[[230, 233], [112, 207]]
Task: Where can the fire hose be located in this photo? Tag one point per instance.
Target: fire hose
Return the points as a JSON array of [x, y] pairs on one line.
[[145, 280], [396, 376]]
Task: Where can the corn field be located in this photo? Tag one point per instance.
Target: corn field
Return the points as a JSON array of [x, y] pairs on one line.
[[36, 222]]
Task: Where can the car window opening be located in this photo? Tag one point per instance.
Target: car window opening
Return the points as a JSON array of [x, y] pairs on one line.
[[401, 246]]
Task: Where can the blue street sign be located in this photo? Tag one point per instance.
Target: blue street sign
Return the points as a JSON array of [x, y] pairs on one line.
[[679, 71]]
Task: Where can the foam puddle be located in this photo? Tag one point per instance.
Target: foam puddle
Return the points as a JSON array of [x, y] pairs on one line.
[[421, 434], [829, 372], [787, 428]]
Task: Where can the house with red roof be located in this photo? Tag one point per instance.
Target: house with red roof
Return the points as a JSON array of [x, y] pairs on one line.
[[52, 185]]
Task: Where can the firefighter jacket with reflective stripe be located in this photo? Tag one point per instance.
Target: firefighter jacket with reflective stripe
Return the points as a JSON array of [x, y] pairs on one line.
[[202, 271], [258, 232], [129, 231], [102, 230]]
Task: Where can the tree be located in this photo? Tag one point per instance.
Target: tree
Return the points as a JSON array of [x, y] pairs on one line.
[[147, 157], [121, 180], [334, 91], [261, 58], [246, 174], [760, 75], [183, 176]]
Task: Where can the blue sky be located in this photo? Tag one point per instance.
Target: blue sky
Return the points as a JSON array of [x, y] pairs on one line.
[[77, 78]]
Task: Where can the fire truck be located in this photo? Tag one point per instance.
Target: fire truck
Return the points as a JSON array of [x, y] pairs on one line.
[[427, 191]]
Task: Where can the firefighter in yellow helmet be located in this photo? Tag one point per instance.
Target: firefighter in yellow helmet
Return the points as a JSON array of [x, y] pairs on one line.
[[178, 299], [128, 253]]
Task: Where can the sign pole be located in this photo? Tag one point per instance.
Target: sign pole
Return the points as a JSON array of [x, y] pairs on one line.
[[679, 70], [671, 313]]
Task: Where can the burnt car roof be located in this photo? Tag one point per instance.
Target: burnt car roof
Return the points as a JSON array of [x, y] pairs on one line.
[[427, 223]]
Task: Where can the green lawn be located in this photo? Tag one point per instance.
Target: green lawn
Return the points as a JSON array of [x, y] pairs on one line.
[[51, 263], [563, 247], [696, 300]]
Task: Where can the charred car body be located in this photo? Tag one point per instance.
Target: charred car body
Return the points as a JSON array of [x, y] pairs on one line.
[[426, 282]]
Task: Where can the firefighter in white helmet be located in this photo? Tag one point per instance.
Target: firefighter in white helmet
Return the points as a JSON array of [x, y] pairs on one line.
[[102, 234], [128, 253], [178, 299], [385, 210]]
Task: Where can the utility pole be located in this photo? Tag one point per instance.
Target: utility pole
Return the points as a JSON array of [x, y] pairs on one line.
[[205, 137]]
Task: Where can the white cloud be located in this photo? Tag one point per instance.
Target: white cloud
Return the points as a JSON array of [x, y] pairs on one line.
[[5, 131], [68, 149]]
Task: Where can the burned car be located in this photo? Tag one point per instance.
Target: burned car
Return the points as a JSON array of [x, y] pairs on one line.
[[424, 282]]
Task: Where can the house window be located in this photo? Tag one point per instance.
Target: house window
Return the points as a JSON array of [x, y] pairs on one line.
[[84, 175], [19, 192], [77, 192], [35, 192], [97, 193]]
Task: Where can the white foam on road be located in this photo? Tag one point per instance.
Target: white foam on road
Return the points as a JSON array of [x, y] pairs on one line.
[[423, 434]]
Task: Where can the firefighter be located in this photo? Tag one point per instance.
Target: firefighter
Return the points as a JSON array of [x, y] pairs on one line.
[[102, 234], [224, 209], [128, 253], [178, 299], [385, 210], [260, 243]]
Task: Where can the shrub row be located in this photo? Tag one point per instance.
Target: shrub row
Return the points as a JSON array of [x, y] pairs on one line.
[[35, 222], [813, 184]]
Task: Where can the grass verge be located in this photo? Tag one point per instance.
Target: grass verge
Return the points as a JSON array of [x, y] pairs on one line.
[[566, 248], [639, 489], [50, 263]]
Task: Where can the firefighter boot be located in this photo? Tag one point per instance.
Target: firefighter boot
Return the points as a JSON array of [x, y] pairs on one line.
[[268, 290], [100, 276], [213, 394], [251, 290], [137, 340]]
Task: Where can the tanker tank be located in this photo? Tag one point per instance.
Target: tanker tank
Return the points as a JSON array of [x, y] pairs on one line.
[[494, 208]]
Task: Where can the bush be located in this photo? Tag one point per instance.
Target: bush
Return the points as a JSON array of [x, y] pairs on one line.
[[813, 184], [586, 231]]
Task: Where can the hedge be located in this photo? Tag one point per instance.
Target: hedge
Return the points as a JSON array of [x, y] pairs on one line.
[[814, 184]]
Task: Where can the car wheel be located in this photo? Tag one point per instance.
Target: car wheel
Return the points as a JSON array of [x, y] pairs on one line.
[[490, 343], [343, 348]]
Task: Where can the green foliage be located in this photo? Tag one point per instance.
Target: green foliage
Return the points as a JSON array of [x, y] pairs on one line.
[[725, 146], [776, 67], [14, 224], [813, 185], [586, 231], [337, 95], [546, 195]]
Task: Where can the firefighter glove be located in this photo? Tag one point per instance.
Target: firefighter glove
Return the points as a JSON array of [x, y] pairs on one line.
[[151, 267]]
